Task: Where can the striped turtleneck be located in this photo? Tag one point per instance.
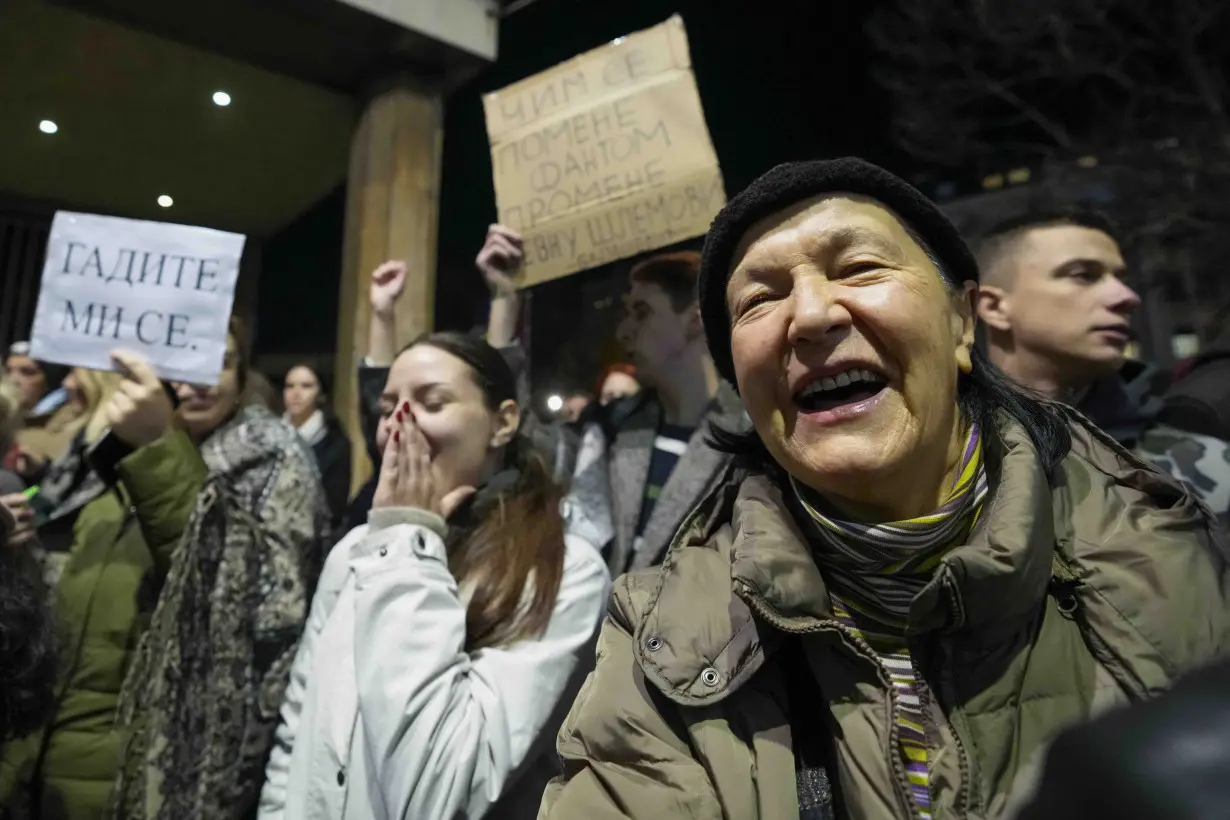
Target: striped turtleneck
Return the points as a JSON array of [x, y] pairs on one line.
[[874, 571]]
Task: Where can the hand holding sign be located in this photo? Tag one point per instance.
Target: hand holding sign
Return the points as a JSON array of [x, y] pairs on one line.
[[139, 412], [500, 259]]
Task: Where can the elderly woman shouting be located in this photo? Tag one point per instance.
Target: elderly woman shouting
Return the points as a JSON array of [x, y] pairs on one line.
[[913, 577]]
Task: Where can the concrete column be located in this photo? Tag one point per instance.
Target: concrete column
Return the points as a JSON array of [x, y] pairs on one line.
[[392, 212]]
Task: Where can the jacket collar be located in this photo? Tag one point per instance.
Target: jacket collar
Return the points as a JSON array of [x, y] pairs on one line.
[[631, 454], [741, 562], [999, 574]]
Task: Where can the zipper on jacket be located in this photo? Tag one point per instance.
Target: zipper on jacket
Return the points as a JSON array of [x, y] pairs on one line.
[[931, 656], [904, 791]]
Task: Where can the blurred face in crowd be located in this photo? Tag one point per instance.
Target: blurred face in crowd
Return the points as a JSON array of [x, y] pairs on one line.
[[618, 386], [847, 346], [654, 334], [465, 435], [203, 409], [574, 406], [301, 394], [28, 378], [1058, 295]]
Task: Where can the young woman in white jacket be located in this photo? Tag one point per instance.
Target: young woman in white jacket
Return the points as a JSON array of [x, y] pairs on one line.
[[446, 638]]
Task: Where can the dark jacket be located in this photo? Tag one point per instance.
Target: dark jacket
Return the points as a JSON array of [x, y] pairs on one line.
[[1200, 401], [1126, 404], [333, 458]]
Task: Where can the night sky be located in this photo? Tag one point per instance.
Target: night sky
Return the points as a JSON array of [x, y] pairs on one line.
[[779, 80]]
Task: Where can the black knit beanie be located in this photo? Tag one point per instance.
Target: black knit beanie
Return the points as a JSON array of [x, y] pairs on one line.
[[793, 182]]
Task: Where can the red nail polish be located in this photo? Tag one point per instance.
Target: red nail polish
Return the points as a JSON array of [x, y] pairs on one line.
[[405, 408], [398, 416], [397, 437]]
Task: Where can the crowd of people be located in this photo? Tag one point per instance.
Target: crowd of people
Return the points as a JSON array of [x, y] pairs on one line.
[[871, 515]]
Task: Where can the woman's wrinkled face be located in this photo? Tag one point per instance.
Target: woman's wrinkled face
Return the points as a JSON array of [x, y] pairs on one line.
[[847, 346], [618, 386], [300, 394], [203, 409], [449, 407]]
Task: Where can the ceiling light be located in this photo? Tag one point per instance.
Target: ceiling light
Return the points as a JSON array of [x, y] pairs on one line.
[[48, 127], [165, 201], [555, 404], [222, 98]]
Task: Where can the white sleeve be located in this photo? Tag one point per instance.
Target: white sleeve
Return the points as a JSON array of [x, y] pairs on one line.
[[277, 771], [444, 728]]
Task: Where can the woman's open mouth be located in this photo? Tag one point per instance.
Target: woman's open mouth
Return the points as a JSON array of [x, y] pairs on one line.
[[851, 390]]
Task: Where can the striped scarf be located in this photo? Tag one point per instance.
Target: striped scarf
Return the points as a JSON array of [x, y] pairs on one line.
[[876, 570]]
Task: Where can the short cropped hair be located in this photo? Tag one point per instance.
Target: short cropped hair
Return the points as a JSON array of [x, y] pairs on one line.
[[676, 273], [998, 242]]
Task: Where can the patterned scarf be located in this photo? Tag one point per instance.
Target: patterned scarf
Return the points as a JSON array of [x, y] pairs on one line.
[[200, 702], [875, 570], [878, 569]]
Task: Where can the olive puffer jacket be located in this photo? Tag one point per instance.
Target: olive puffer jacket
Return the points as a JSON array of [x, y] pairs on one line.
[[724, 687], [122, 543]]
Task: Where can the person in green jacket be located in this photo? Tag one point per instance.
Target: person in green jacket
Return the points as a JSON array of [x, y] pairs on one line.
[[912, 576], [117, 546], [183, 589]]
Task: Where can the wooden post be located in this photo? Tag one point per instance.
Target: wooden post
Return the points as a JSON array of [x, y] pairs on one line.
[[392, 212]]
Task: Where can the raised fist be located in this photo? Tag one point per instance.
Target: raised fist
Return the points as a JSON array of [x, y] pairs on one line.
[[500, 259], [388, 282]]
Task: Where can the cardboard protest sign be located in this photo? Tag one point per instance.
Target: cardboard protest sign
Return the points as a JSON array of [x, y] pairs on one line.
[[604, 156], [161, 290]]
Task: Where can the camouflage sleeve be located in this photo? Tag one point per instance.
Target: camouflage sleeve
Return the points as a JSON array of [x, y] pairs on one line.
[[1202, 463]]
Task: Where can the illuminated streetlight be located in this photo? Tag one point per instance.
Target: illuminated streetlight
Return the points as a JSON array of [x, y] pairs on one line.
[[222, 98], [165, 201], [48, 127]]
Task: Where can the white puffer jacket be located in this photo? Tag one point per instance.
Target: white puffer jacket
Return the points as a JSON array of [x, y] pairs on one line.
[[386, 714]]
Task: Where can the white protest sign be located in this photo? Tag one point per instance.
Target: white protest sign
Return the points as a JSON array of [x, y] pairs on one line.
[[162, 290]]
